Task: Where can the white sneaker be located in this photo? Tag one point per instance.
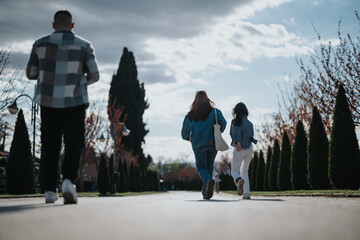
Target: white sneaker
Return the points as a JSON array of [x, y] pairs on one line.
[[246, 196], [51, 197], [240, 188], [68, 192]]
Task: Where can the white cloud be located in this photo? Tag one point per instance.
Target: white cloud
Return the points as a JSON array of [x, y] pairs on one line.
[[22, 47], [229, 44]]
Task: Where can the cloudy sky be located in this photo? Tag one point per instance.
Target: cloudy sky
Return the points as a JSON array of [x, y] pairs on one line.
[[236, 50]]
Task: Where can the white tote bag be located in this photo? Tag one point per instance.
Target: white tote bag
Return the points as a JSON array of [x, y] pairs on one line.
[[220, 143]]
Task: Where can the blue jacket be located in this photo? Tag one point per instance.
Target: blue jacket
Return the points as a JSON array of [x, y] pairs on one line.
[[202, 132], [244, 134]]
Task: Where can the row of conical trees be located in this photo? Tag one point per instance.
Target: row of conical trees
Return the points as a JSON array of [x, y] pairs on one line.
[[312, 162], [132, 179]]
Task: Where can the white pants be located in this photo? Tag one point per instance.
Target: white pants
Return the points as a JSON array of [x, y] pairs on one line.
[[240, 166]]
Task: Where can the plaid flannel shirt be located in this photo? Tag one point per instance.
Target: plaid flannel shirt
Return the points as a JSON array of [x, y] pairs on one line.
[[64, 65]]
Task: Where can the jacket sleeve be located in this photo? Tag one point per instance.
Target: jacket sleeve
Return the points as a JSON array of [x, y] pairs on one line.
[[221, 120], [91, 68], [32, 69], [236, 134], [185, 131]]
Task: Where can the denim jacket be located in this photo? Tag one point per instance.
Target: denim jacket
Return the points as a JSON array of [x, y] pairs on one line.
[[202, 132], [244, 134]]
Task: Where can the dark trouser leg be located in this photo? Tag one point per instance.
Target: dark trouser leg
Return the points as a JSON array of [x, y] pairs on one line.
[[51, 143], [74, 138]]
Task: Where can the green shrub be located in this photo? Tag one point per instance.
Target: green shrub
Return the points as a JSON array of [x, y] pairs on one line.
[[298, 165], [20, 169], [284, 175], [103, 176], [260, 174], [275, 158], [318, 153], [344, 161]]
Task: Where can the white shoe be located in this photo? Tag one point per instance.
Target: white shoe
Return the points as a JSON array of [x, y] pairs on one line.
[[246, 196], [68, 192], [240, 188], [51, 197]]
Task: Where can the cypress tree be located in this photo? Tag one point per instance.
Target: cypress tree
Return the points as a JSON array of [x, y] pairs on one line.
[[111, 172], [250, 170], [298, 165], [122, 178], [318, 153], [254, 171], [132, 177], [344, 157], [103, 176], [260, 174], [273, 171], [126, 91], [284, 175], [20, 169], [140, 183], [267, 169]]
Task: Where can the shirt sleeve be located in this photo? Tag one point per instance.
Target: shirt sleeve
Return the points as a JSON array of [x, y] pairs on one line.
[[91, 68], [32, 69], [185, 131]]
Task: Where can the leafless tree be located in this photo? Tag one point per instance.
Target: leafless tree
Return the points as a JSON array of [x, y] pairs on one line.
[[9, 81], [329, 66]]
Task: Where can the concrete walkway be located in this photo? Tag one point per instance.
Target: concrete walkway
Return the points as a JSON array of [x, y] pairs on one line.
[[181, 215]]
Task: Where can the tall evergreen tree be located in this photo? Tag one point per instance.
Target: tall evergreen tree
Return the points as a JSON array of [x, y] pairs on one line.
[[318, 153], [298, 165], [122, 178], [284, 175], [344, 157], [127, 92], [274, 164], [20, 168], [132, 177], [267, 169], [255, 162], [250, 170], [111, 172], [126, 175], [260, 173], [103, 176]]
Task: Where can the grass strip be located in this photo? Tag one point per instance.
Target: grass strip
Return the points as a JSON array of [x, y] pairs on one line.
[[306, 193]]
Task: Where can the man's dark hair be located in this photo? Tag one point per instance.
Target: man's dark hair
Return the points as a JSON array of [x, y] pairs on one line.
[[63, 17]]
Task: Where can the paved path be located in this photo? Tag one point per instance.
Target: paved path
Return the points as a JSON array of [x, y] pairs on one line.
[[181, 215]]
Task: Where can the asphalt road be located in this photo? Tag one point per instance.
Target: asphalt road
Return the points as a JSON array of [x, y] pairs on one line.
[[181, 215]]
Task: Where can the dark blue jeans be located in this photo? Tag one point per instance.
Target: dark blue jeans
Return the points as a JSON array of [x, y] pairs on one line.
[[205, 157]]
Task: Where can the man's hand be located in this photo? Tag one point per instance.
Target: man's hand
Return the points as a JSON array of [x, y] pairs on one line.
[[238, 147]]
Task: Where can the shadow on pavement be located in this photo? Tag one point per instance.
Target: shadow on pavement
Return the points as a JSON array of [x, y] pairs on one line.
[[17, 208], [212, 200], [238, 200], [265, 200]]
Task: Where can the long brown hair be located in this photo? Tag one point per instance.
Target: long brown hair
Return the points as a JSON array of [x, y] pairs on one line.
[[201, 107]]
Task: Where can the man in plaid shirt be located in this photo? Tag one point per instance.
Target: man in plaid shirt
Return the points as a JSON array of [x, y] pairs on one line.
[[63, 65]]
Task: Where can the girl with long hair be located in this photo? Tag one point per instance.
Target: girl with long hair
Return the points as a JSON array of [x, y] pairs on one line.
[[242, 136], [198, 128]]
